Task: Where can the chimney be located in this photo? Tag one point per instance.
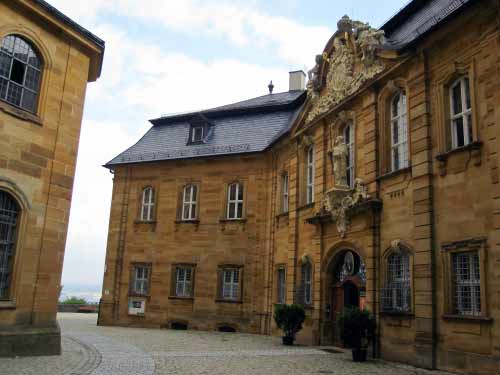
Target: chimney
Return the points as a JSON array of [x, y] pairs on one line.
[[297, 80]]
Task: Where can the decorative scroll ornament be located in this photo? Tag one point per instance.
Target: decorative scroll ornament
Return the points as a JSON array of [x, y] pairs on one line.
[[338, 201], [353, 61]]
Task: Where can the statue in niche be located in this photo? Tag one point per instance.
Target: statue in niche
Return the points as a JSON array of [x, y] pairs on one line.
[[339, 156]]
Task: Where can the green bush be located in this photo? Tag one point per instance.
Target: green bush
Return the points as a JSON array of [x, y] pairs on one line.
[[74, 301], [289, 318], [357, 327]]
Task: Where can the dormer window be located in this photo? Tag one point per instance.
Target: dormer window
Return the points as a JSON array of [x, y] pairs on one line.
[[197, 133]]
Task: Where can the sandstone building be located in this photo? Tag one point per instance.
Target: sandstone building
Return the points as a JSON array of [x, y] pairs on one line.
[[46, 61], [376, 185]]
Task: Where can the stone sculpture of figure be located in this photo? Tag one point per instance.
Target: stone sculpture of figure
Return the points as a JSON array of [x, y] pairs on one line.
[[368, 40], [339, 155], [314, 75]]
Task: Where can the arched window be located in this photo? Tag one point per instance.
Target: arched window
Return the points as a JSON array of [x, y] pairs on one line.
[[460, 113], [235, 201], [310, 175], [189, 202], [148, 203], [306, 283], [396, 296], [399, 132], [349, 141], [20, 73], [9, 215]]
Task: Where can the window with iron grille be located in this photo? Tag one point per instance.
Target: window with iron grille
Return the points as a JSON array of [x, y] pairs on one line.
[[140, 279], [235, 201], [284, 192], [189, 202], [396, 296], [460, 113], [184, 281], [20, 73], [310, 175], [148, 203], [399, 132], [349, 141], [306, 284], [466, 283], [281, 285], [230, 284], [9, 214]]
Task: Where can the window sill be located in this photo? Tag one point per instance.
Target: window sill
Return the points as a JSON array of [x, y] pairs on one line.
[[188, 299], [7, 305], [283, 214], [221, 300], [467, 318], [145, 222], [305, 207], [476, 145], [194, 221], [132, 294], [398, 314], [394, 174], [20, 113], [243, 220]]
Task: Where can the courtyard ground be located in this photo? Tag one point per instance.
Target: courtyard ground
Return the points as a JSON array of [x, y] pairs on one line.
[[88, 349]]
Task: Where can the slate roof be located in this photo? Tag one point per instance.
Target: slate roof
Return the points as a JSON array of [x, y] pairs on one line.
[[418, 18], [244, 127]]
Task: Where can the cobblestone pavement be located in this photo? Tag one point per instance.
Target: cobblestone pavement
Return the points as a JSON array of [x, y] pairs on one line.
[[92, 350]]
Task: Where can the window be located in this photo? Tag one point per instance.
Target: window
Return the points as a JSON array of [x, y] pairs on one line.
[[230, 284], [140, 279], [460, 113], [197, 133], [399, 132], [466, 283], [310, 175], [284, 192], [9, 214], [189, 202], [306, 278], [349, 141], [235, 201], [148, 203], [20, 73], [184, 281], [281, 285], [396, 296]]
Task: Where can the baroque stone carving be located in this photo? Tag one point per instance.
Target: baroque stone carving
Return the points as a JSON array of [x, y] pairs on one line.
[[352, 62], [339, 160], [314, 84], [338, 201]]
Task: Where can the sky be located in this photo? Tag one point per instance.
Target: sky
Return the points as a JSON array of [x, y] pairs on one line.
[[169, 56]]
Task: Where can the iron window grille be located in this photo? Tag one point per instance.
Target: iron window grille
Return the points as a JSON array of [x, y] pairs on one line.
[[20, 73], [281, 280], [189, 202], [310, 175], [466, 283], [285, 194], [396, 296], [231, 284], [140, 282], [9, 213], [349, 141], [460, 113], [184, 282], [399, 132], [148, 202], [235, 201]]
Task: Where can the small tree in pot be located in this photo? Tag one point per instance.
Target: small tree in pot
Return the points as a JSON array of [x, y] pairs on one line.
[[289, 318], [357, 329]]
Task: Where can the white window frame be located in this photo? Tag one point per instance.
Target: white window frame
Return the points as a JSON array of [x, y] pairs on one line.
[[468, 287], [348, 134], [310, 175], [465, 115], [399, 147], [285, 193], [141, 279], [237, 202], [398, 285], [281, 285], [194, 131], [231, 288], [148, 202], [189, 202], [306, 275], [183, 281]]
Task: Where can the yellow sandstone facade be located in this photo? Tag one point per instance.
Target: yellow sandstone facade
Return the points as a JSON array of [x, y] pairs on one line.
[[380, 191], [46, 61]]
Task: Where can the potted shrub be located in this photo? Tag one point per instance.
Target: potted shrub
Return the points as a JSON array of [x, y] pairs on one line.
[[357, 329], [289, 318]]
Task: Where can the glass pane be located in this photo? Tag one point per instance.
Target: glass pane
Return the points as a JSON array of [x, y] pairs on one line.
[[33, 60], [5, 62], [232, 192], [8, 44], [32, 78], [186, 211], [194, 192], [29, 101], [469, 127], [395, 132], [17, 72], [467, 93], [14, 94], [403, 104], [21, 50], [459, 131], [457, 98], [232, 211], [240, 210], [3, 88], [240, 192], [227, 276], [395, 106]]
